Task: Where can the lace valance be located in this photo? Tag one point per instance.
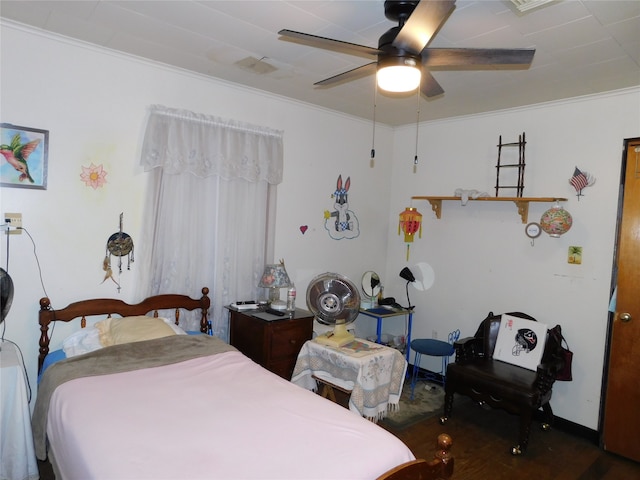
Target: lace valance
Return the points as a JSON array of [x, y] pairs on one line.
[[180, 141]]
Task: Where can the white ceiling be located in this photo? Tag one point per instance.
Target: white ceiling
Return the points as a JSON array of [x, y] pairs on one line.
[[582, 47]]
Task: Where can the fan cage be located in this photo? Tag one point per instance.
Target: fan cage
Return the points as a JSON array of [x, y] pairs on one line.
[[333, 299]]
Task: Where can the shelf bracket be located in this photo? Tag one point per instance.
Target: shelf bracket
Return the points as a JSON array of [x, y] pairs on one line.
[[523, 209], [436, 206]]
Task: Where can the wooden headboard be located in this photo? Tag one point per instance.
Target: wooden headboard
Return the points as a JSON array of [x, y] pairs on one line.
[[111, 306]]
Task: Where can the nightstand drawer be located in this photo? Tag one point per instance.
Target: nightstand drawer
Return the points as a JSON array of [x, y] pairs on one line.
[[287, 340]]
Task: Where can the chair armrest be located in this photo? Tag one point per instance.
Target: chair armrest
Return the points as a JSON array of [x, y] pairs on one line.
[[466, 349], [552, 363], [546, 374]]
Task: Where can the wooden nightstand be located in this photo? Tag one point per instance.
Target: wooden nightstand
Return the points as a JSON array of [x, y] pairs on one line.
[[274, 344]]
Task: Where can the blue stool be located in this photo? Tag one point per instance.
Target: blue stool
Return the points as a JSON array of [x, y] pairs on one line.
[[433, 348]]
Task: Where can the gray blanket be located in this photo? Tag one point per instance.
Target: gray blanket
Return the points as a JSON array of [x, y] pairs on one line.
[[116, 359]]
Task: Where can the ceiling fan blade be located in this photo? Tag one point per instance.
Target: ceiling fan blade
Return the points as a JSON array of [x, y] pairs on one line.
[[330, 44], [347, 76], [423, 23], [429, 87], [461, 57]]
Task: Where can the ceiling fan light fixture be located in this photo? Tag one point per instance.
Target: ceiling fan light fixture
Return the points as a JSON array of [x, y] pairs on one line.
[[398, 74]]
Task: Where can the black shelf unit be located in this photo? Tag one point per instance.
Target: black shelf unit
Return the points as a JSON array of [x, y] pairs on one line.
[[519, 187]]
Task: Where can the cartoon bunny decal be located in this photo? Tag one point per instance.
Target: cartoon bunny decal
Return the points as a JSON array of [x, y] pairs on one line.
[[341, 205], [342, 222]]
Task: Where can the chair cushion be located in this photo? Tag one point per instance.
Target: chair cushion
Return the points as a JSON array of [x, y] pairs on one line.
[[432, 347]]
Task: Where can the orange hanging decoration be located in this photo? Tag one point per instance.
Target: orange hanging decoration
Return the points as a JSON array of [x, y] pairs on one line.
[[410, 223]]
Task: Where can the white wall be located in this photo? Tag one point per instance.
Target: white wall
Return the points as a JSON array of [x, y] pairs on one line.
[[94, 104], [482, 259]]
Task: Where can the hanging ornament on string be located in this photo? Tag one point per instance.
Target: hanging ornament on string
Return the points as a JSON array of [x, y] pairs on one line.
[[556, 221], [410, 224], [372, 159], [119, 244], [415, 157]]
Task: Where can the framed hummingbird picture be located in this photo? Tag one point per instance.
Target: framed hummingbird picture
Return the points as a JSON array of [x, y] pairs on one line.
[[24, 156]]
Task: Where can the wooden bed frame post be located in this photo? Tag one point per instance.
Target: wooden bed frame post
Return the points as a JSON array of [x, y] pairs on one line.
[[45, 306], [205, 302]]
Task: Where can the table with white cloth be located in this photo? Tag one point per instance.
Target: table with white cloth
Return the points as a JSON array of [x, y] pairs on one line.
[[373, 373], [17, 451]]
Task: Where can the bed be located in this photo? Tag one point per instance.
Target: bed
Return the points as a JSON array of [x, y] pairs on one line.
[[179, 405]]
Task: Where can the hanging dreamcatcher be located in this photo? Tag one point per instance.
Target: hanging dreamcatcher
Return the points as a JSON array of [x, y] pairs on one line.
[[118, 244], [410, 224]]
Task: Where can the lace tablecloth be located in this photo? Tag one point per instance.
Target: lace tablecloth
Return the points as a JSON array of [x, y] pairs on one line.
[[373, 373], [17, 452]]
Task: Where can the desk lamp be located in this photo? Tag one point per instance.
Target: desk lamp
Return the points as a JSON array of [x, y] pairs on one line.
[[274, 278], [407, 275]]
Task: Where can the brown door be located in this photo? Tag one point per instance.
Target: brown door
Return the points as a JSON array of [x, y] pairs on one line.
[[621, 425]]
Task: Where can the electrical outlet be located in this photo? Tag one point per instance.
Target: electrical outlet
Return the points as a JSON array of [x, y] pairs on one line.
[[434, 334], [13, 220]]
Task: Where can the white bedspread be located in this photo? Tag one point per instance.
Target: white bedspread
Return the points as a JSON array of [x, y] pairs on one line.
[[217, 417]]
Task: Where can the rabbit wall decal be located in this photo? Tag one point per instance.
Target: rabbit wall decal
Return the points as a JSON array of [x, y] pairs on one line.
[[341, 222]]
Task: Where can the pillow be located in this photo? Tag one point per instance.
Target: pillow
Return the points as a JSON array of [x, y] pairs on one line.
[[174, 327], [84, 341], [88, 339], [115, 331]]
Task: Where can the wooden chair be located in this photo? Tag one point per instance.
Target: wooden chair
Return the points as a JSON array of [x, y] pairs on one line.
[[440, 468], [501, 385]]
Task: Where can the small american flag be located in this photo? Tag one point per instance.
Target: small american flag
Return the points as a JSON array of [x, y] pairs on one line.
[[579, 180]]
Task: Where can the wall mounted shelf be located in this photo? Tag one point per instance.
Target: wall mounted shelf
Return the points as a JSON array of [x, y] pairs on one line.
[[521, 202]]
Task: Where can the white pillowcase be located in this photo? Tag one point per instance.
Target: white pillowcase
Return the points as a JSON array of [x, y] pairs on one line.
[[88, 339], [84, 341], [174, 327]]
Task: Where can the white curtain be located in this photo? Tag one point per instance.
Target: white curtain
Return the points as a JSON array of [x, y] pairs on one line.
[[209, 212]]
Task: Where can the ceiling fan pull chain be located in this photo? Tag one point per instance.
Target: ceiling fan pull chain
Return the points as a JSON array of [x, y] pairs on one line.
[[415, 158], [373, 140]]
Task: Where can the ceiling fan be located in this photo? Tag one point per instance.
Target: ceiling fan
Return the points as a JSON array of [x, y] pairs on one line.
[[403, 50]]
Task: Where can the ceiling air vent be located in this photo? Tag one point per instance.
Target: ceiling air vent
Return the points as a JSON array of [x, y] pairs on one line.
[[526, 5]]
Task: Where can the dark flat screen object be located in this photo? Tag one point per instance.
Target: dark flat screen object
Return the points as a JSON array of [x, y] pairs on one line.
[[6, 293]]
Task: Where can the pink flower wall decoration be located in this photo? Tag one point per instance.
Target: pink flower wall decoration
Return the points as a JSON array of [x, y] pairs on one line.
[[93, 176]]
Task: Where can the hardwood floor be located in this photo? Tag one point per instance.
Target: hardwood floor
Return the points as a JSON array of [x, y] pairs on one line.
[[481, 447], [483, 437]]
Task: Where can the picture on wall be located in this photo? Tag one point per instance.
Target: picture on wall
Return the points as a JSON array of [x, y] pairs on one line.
[[24, 156], [520, 342]]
